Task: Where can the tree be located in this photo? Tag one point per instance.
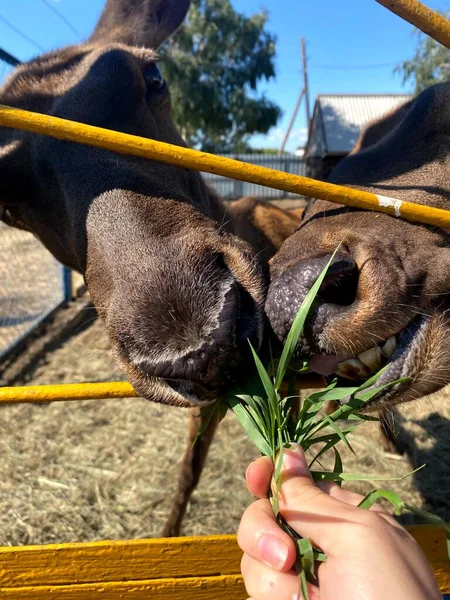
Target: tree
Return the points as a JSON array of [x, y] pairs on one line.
[[430, 64], [213, 66]]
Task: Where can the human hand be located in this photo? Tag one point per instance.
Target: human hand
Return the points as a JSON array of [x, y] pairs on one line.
[[369, 555]]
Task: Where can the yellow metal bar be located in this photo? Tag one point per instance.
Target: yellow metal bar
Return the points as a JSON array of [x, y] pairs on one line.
[[202, 161], [100, 391], [193, 568], [71, 391], [422, 17]]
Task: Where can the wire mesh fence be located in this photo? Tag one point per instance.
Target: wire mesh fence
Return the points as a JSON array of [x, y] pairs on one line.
[[231, 189], [32, 283]]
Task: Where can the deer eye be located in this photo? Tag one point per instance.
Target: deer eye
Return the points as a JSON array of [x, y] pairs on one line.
[[154, 78]]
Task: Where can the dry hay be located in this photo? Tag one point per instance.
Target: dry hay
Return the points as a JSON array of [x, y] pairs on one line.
[[108, 469]]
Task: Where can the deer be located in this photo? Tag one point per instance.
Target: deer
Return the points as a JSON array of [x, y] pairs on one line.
[[178, 277], [385, 300]]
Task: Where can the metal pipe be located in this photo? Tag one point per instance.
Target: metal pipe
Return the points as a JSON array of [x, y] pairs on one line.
[[422, 17], [201, 161]]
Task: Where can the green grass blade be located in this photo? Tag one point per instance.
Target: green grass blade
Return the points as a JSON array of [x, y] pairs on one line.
[[206, 414], [319, 556], [369, 394], [338, 466], [279, 460], [369, 500], [303, 585], [251, 428], [307, 556], [264, 376], [331, 476], [297, 326], [338, 431]]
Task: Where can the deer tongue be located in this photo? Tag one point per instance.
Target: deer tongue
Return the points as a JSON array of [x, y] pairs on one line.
[[324, 364]]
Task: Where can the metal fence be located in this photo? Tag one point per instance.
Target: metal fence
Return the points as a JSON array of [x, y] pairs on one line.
[[231, 189], [32, 283]]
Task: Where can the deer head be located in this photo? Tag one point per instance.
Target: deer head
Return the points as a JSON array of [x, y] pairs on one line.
[[386, 298], [180, 294]]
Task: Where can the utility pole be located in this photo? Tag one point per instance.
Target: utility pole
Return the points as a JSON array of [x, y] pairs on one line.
[[304, 93], [305, 82], [291, 124]]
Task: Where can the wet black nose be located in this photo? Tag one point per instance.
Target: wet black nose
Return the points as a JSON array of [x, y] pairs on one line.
[[212, 364], [288, 290]]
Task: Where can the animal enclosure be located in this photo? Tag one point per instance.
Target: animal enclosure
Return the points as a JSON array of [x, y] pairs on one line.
[[39, 573]]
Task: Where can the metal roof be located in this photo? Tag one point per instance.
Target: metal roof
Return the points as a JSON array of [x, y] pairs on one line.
[[339, 119]]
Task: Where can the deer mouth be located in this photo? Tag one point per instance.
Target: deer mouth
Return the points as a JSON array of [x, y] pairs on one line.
[[398, 355]]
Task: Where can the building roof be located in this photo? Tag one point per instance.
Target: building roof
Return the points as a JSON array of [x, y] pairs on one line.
[[338, 119]]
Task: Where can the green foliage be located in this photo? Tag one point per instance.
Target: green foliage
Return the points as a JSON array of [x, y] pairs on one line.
[[213, 66], [429, 65]]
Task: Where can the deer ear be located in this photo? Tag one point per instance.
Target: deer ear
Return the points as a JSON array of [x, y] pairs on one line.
[[146, 23]]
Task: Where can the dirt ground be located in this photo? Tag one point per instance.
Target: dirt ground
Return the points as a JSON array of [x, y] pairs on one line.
[[107, 469], [31, 283]]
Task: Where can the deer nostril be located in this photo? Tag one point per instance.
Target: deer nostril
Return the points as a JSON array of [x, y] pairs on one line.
[[153, 77], [340, 285]]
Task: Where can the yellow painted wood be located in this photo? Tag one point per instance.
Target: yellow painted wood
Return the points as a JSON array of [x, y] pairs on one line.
[[202, 568], [96, 562], [422, 17], [202, 161], [229, 587], [64, 392], [100, 391]]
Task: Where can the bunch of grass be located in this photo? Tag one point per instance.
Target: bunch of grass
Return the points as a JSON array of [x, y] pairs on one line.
[[274, 422]]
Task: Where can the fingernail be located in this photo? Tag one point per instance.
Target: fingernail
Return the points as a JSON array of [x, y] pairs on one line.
[[294, 461], [273, 551], [248, 468]]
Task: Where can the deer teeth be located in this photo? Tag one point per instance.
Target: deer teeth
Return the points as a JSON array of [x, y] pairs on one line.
[[389, 347], [373, 359], [353, 369]]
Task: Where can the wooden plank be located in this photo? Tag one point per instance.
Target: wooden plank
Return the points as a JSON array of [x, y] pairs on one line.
[[118, 561], [115, 141], [197, 567], [229, 587]]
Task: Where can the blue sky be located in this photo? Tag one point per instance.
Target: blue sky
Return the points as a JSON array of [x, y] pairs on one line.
[[351, 36]]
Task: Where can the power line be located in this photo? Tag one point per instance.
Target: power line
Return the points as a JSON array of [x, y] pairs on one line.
[[9, 58], [355, 67], [21, 33], [62, 17]]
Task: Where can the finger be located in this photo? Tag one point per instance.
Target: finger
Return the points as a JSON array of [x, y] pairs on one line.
[[260, 537], [259, 474], [343, 495], [308, 509], [264, 583]]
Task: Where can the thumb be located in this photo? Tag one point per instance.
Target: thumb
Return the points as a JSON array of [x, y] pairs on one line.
[[307, 509]]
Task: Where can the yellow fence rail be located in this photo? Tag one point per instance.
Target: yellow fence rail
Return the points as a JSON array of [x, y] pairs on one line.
[[197, 568], [100, 391], [123, 143], [422, 17]]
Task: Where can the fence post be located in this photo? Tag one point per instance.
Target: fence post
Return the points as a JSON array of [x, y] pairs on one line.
[[67, 284]]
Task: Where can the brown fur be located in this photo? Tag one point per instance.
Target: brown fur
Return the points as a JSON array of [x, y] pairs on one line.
[[403, 268], [178, 278]]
